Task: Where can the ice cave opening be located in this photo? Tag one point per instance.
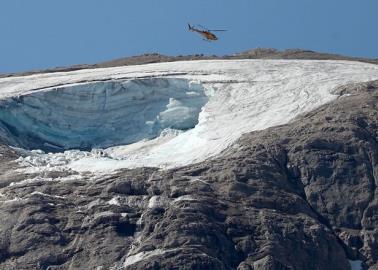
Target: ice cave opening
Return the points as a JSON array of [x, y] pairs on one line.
[[100, 114]]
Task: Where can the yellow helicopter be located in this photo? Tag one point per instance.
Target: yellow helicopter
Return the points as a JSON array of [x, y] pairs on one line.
[[207, 34]]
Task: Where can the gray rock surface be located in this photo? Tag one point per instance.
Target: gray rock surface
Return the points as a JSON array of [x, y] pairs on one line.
[[297, 196]]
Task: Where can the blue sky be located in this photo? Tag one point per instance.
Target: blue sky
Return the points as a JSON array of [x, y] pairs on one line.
[[44, 33]]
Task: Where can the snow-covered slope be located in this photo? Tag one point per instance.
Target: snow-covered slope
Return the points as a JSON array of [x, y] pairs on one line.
[[166, 114]]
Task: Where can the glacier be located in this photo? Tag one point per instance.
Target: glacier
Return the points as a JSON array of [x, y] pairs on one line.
[[163, 115]]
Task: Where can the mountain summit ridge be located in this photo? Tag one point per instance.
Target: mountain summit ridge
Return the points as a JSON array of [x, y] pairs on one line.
[[256, 53]]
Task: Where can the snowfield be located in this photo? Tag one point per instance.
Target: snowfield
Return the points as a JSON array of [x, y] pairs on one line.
[[163, 115]]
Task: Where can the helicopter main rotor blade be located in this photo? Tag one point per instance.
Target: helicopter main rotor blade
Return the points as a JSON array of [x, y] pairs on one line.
[[201, 28], [217, 30]]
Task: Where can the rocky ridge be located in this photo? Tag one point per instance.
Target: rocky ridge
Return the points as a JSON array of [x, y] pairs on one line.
[[257, 53]]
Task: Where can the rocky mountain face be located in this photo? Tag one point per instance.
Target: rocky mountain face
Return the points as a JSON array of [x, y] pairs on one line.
[[298, 196]]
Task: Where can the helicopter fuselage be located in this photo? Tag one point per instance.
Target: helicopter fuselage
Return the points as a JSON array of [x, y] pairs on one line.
[[207, 34]]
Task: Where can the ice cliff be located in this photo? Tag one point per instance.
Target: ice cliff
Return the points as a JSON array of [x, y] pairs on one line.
[[100, 114]]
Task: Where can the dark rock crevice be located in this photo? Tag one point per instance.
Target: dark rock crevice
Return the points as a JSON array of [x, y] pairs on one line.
[[373, 188]]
